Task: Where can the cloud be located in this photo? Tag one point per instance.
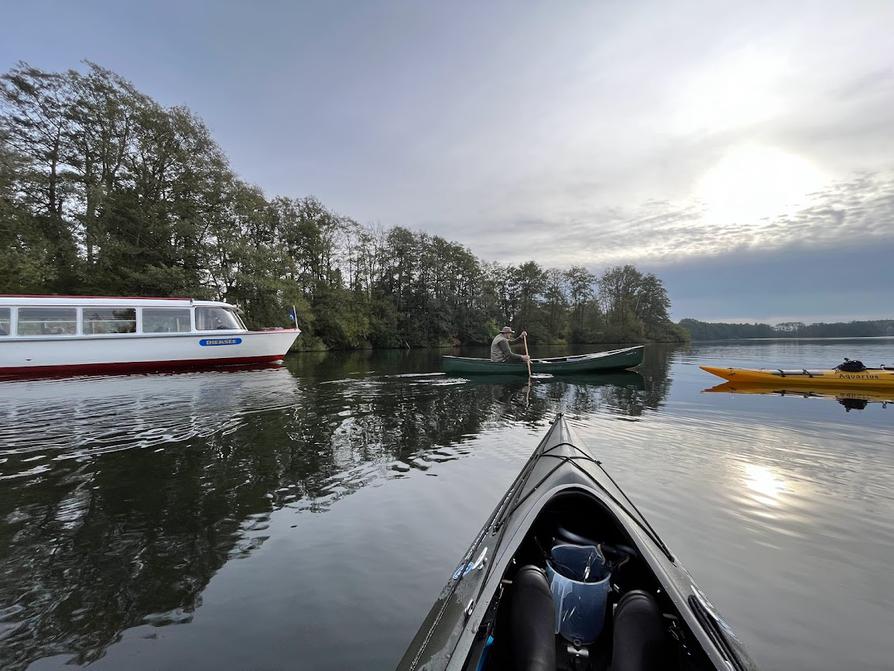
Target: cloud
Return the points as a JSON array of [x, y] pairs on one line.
[[663, 232], [852, 280], [582, 135]]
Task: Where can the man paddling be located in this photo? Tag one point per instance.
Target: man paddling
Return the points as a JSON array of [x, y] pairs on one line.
[[500, 350]]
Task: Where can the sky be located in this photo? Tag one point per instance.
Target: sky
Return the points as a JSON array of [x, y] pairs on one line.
[[743, 152]]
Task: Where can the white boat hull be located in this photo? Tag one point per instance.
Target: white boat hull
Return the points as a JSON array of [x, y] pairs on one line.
[[78, 355]]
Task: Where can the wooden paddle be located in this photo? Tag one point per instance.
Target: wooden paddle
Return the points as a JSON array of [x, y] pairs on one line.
[[525, 338]]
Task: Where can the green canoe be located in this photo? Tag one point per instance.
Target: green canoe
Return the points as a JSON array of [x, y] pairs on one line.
[[616, 359]]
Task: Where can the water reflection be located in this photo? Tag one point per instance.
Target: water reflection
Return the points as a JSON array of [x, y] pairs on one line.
[[101, 413], [764, 482], [124, 495], [849, 399], [129, 502]]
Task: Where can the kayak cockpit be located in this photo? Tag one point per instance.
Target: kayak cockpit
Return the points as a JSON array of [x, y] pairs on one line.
[[578, 595]]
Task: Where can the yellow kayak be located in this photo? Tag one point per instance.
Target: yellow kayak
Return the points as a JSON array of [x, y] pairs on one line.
[[869, 378]]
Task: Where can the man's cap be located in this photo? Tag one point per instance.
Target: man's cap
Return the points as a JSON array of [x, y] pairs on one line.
[[506, 329]]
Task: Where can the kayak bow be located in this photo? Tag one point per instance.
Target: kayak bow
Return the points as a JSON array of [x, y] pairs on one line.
[[499, 610]]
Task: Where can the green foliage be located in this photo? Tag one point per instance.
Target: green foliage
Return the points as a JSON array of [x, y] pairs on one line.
[[698, 330], [103, 190]]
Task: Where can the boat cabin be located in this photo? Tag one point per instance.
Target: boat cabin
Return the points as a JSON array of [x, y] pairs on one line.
[[42, 317]]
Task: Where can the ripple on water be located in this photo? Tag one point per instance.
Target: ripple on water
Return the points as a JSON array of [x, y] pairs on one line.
[[133, 411], [774, 508]]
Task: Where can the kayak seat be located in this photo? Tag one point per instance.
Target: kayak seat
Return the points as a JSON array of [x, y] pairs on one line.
[[639, 642], [532, 621]]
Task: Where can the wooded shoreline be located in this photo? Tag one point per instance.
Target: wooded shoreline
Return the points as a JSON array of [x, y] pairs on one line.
[[105, 192]]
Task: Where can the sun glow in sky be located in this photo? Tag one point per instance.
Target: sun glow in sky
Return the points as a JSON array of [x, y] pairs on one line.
[[752, 182]]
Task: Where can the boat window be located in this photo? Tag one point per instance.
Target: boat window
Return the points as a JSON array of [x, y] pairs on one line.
[[110, 320], [4, 321], [48, 321], [166, 320], [214, 318]]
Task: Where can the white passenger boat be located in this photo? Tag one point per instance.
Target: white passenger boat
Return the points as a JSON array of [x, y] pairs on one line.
[[73, 335]]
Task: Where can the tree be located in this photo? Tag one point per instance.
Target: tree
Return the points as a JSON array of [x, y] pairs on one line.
[[34, 124], [105, 191], [580, 282]]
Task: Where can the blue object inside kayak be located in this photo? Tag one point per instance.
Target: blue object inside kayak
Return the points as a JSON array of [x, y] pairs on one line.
[[579, 580]]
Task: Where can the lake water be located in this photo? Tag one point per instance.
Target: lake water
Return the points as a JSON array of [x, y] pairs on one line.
[[306, 517]]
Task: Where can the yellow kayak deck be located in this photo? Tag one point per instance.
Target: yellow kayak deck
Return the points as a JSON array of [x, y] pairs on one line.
[[871, 377]]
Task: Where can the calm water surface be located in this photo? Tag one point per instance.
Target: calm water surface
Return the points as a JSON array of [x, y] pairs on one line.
[[306, 517]]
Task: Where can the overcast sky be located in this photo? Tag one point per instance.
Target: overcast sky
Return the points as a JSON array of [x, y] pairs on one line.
[[742, 151]]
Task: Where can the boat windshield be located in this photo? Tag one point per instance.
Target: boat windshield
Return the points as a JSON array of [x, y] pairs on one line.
[[217, 318]]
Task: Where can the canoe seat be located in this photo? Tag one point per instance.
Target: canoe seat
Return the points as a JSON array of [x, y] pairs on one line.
[[532, 621]]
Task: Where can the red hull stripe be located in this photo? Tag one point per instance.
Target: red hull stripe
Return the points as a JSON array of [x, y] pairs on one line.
[[138, 366]]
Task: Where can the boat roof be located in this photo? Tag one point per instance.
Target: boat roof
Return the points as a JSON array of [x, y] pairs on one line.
[[48, 300]]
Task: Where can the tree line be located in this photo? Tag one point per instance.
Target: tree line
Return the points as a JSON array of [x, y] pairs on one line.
[[105, 191], [699, 330]]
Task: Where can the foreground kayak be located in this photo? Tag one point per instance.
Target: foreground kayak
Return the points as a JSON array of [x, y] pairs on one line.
[[871, 377], [616, 359], [522, 598]]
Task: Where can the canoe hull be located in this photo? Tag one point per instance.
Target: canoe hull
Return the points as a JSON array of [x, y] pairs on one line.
[[618, 359], [871, 378]]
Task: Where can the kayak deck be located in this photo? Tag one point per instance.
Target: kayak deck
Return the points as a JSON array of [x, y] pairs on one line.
[[617, 359], [871, 377]]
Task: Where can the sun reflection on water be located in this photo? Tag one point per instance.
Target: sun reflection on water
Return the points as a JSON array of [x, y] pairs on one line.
[[767, 486]]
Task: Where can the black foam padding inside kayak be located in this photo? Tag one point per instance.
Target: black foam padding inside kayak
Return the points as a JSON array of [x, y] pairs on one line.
[[532, 622]]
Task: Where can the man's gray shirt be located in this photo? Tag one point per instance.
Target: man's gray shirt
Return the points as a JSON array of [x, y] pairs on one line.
[[499, 350]]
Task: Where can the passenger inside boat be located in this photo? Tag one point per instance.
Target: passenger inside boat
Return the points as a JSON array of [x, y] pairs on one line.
[[615, 616]]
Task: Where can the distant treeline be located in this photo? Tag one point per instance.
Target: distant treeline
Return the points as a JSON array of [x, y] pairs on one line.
[[699, 330], [104, 191]]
